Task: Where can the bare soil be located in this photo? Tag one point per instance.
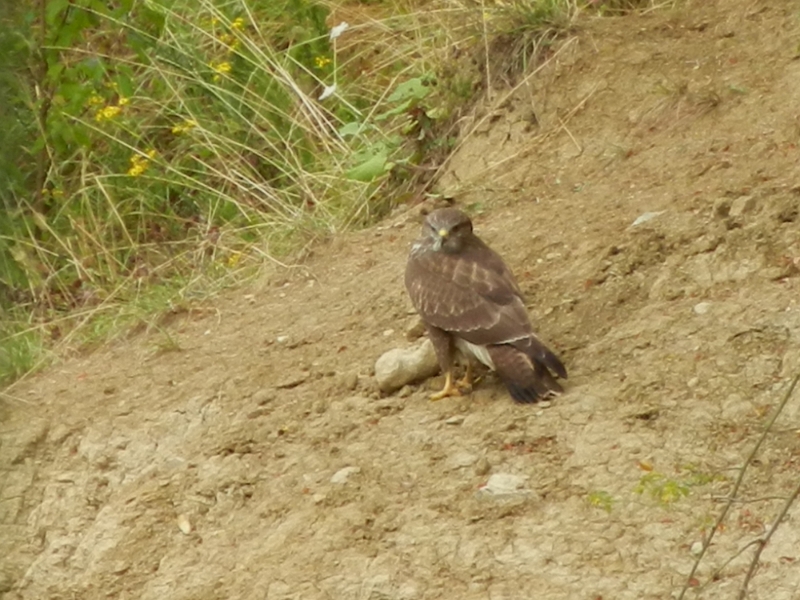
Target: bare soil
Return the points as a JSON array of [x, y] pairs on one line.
[[202, 469]]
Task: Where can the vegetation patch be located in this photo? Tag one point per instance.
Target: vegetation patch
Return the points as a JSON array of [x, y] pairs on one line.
[[156, 151]]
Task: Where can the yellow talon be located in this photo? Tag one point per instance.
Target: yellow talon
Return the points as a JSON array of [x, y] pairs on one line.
[[466, 381], [448, 390]]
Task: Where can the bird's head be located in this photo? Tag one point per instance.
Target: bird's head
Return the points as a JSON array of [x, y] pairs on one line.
[[448, 229]]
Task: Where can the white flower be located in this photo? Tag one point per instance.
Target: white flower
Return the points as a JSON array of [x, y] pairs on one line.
[[339, 30], [327, 92]]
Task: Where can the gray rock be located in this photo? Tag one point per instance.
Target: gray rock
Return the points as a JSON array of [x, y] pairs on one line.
[[702, 308], [262, 397], [742, 205], [482, 467], [401, 366], [460, 460], [415, 330], [505, 485], [722, 207], [645, 217], [348, 381], [343, 475]]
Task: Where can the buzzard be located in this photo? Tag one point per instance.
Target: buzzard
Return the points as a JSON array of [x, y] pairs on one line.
[[470, 301]]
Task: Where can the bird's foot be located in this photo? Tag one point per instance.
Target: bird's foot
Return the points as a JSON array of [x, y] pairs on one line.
[[465, 383], [448, 390]]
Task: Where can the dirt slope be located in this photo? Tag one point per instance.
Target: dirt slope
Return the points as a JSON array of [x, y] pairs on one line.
[[680, 334]]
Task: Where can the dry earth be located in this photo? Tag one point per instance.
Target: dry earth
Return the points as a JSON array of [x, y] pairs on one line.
[[206, 472]]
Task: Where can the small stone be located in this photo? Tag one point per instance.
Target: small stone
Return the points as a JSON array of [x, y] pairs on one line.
[[702, 308], [262, 397], [388, 333], [343, 475], [415, 330], [456, 420], [401, 366], [184, 524], [645, 217], [282, 339], [482, 467], [404, 392], [258, 412], [349, 381], [722, 208], [696, 548], [505, 485], [545, 404], [292, 381], [317, 498], [460, 460], [742, 205], [118, 567]]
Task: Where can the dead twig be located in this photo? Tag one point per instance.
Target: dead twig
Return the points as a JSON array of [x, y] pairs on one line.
[[762, 541], [735, 490]]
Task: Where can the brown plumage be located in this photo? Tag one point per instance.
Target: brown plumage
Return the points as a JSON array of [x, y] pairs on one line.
[[469, 301]]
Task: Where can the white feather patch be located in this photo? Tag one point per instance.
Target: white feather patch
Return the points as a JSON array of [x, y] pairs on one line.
[[479, 352]]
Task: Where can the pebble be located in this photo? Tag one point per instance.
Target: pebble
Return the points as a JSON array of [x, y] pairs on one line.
[[702, 308], [402, 366], [262, 397], [645, 217], [348, 381], [456, 420], [505, 485], [697, 548], [415, 330], [483, 466], [292, 381], [184, 524], [742, 205], [343, 475]]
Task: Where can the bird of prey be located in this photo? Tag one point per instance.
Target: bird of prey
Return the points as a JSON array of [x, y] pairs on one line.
[[470, 302]]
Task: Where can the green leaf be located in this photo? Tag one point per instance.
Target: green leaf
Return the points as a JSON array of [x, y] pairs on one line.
[[372, 168], [353, 128], [413, 89], [54, 10]]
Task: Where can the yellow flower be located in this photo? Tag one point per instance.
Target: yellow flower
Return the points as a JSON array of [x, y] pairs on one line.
[[140, 164], [238, 23], [223, 67], [137, 169], [234, 259], [184, 127], [95, 99], [123, 101], [107, 113], [321, 61]]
